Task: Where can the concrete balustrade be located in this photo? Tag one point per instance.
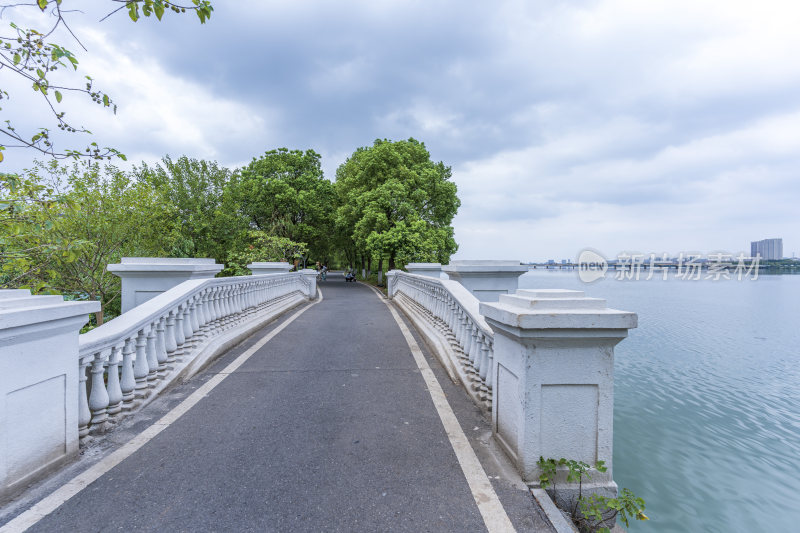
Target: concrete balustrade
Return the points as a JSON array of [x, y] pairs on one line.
[[171, 335], [541, 360], [553, 378], [144, 278], [39, 384], [310, 276], [447, 314], [58, 388], [486, 279]]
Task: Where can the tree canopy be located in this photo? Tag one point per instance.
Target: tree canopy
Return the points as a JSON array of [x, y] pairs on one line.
[[61, 225], [396, 203], [201, 193], [97, 215], [285, 194]]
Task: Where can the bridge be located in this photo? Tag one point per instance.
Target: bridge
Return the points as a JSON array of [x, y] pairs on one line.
[[275, 402]]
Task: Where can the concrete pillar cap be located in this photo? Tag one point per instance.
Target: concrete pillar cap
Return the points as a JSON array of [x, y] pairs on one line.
[[554, 309]]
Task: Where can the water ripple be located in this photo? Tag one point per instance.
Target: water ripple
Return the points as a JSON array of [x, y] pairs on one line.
[[707, 400]]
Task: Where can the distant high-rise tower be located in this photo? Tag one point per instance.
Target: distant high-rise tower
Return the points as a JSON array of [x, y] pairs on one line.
[[767, 249]]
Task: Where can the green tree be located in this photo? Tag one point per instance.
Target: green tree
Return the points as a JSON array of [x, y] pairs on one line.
[[32, 55], [27, 209], [285, 194], [209, 217], [397, 203], [256, 246], [112, 214]]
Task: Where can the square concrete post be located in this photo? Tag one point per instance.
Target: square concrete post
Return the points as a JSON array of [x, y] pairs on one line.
[[553, 378], [432, 270], [391, 281], [144, 278], [486, 280], [38, 384], [311, 276], [269, 267]]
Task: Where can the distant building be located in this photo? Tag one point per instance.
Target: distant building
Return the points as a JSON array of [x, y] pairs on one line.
[[767, 249]]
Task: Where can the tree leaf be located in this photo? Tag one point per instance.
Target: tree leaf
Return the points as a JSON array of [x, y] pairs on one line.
[[133, 11], [17, 59], [42, 4], [58, 97]]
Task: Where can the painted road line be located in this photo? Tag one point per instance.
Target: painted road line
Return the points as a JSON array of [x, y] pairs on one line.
[[83, 480], [492, 511]]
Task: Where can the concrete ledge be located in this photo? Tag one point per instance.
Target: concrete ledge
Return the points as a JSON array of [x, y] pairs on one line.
[[557, 519], [17, 487], [269, 267], [431, 270]]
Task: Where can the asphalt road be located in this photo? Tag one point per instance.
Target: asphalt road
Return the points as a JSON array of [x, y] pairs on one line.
[[327, 427]]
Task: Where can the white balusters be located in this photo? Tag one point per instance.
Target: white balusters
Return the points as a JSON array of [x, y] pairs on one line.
[[113, 387], [161, 347], [152, 357], [187, 322], [195, 322], [128, 383], [169, 336], [118, 375], [469, 337], [141, 369], [84, 414], [180, 337], [98, 399]]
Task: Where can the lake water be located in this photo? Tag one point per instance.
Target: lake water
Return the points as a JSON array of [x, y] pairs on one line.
[[707, 399]]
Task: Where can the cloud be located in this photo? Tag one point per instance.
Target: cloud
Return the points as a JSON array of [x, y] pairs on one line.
[[664, 125]]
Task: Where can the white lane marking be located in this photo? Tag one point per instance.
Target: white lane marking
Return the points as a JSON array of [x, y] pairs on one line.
[[83, 480], [494, 515]]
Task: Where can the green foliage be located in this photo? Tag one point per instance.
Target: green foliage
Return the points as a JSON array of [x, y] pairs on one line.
[[27, 210], [62, 225], [285, 194], [31, 55], [101, 215], [209, 218], [256, 246], [590, 513], [396, 203], [202, 8], [575, 470], [597, 508]]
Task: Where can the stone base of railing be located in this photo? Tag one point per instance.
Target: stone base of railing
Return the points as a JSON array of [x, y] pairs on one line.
[[443, 343], [201, 350]]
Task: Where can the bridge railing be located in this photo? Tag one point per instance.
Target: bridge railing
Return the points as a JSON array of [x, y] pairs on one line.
[[128, 359], [542, 359], [454, 311]]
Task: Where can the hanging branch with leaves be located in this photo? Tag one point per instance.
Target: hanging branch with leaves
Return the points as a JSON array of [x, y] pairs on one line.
[[30, 54]]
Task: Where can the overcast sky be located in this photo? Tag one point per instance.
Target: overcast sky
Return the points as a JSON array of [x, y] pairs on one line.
[[650, 126]]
